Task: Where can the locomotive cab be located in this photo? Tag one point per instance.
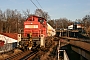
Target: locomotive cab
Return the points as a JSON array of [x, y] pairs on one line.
[[40, 20], [35, 25]]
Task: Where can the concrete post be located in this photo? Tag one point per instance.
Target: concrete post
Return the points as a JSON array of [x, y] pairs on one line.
[[58, 50], [42, 41], [58, 54], [60, 34], [19, 39]]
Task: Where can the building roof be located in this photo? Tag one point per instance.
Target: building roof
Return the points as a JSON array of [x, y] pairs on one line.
[[11, 35]]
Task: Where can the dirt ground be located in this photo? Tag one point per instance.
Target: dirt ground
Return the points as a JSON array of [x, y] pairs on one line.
[[5, 55]]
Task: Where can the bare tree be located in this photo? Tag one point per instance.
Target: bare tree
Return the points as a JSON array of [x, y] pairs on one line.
[[1, 21], [26, 13], [52, 23], [60, 23], [41, 13]]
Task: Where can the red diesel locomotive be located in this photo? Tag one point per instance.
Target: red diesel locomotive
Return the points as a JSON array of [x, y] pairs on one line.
[[35, 25], [34, 29]]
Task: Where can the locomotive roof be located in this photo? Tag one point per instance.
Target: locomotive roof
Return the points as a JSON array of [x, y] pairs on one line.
[[36, 16]]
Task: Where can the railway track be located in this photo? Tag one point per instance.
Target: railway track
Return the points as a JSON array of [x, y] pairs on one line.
[[18, 56], [27, 55], [30, 55], [8, 52]]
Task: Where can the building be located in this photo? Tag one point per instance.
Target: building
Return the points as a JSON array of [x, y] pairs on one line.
[[50, 30], [8, 41]]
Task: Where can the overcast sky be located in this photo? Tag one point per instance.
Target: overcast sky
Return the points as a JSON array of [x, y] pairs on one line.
[[70, 9]]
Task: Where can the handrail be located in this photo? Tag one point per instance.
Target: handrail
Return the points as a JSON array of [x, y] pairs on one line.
[[65, 55]]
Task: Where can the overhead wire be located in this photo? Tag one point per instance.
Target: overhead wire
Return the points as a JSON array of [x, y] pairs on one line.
[[39, 4], [34, 4]]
